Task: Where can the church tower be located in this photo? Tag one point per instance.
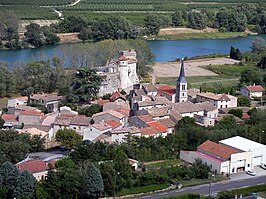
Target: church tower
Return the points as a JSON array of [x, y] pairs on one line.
[[181, 85]]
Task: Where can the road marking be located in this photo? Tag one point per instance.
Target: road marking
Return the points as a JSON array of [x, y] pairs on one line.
[[161, 194], [225, 182], [260, 184], [244, 187], [178, 191], [193, 188], [146, 197]]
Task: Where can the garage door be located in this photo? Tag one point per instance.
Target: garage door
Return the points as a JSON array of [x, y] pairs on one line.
[[257, 160]]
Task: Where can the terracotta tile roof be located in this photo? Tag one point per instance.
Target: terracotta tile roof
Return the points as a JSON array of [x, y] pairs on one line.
[[146, 118], [46, 97], [157, 112], [186, 107], [150, 131], [150, 87], [168, 122], [9, 117], [66, 120], [160, 127], [104, 137], [114, 124], [220, 97], [257, 88], [31, 113], [123, 58], [193, 92], [25, 108], [34, 166], [102, 102], [110, 112], [245, 116], [102, 126], [206, 106], [124, 111], [149, 103], [34, 131], [130, 130], [175, 116], [116, 95], [218, 150], [80, 121], [39, 127], [167, 89], [114, 105], [23, 98]]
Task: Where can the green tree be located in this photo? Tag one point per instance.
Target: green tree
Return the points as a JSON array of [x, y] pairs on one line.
[[2, 122], [236, 22], [68, 138], [152, 23], [90, 110], [123, 170], [262, 63], [34, 35], [114, 27], [177, 18], [250, 77], [25, 184], [258, 44], [243, 101], [71, 24], [85, 85], [85, 34], [7, 83], [228, 120], [235, 53], [236, 112], [197, 20], [200, 169], [107, 172], [9, 24], [9, 175], [93, 182]]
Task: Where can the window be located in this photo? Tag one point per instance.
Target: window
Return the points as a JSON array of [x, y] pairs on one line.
[[225, 106], [183, 87], [183, 94], [248, 165]]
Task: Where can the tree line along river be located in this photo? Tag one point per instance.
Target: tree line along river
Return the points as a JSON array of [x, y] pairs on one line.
[[164, 50]]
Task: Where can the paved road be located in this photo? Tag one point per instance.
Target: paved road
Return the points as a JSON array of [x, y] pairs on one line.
[[215, 187]]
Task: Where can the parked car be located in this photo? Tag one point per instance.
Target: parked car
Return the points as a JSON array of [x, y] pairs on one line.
[[263, 165], [252, 173]]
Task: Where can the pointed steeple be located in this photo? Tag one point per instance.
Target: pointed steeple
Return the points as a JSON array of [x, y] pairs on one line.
[[182, 77]]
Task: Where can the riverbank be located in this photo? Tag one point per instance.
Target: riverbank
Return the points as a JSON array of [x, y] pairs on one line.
[[203, 35]]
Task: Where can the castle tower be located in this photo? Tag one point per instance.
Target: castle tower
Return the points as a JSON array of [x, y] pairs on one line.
[[123, 71], [181, 85]]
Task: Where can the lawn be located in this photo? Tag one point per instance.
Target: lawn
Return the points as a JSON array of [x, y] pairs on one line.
[[143, 189], [194, 182], [196, 82], [165, 163]]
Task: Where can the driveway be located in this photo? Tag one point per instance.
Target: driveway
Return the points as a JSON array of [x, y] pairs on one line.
[[258, 170]]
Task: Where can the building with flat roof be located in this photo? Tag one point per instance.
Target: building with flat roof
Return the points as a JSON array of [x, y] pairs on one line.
[[258, 150]]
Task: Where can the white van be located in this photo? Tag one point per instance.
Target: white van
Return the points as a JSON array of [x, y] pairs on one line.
[[263, 165]]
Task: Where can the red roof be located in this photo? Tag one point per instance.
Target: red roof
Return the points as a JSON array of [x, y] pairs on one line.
[[160, 127], [167, 89], [102, 102], [245, 116], [255, 88], [124, 111], [146, 118], [218, 150], [116, 95], [151, 131], [34, 166], [31, 113], [123, 58], [9, 117], [114, 124]]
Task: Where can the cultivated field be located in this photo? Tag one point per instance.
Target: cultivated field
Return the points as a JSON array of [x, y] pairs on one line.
[[192, 68]]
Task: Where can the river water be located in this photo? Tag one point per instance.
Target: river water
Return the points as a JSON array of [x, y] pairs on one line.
[[164, 50]]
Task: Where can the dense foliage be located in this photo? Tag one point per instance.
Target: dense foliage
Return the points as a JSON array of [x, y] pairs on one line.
[[90, 110], [16, 184], [14, 146], [68, 137]]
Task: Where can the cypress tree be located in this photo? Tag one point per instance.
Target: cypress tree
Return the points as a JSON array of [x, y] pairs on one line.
[[25, 184]]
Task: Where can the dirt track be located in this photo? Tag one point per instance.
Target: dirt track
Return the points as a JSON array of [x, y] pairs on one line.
[[177, 31], [192, 68]]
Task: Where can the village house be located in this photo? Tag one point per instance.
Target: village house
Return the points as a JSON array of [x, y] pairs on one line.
[[13, 102], [38, 168], [50, 101], [220, 158], [110, 115], [119, 135], [255, 91], [168, 92], [10, 120], [117, 97], [96, 130], [30, 117], [218, 100], [140, 121]]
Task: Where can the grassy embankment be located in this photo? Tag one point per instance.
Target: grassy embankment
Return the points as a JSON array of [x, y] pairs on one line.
[[228, 76], [203, 35]]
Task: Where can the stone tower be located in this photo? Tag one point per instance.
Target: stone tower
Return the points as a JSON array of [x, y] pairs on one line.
[[181, 85], [123, 69]]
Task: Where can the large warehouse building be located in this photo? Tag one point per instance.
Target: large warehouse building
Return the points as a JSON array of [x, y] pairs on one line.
[[258, 150]]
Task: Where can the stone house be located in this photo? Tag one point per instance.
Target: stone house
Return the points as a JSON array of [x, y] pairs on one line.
[[110, 115], [29, 117], [120, 135], [218, 100], [252, 91], [50, 101]]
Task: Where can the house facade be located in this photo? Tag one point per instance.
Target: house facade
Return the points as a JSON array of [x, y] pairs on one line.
[[252, 91]]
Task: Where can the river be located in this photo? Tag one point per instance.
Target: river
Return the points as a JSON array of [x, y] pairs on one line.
[[164, 50]]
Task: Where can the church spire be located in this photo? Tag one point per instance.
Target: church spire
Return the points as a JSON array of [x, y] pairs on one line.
[[182, 77], [181, 85]]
